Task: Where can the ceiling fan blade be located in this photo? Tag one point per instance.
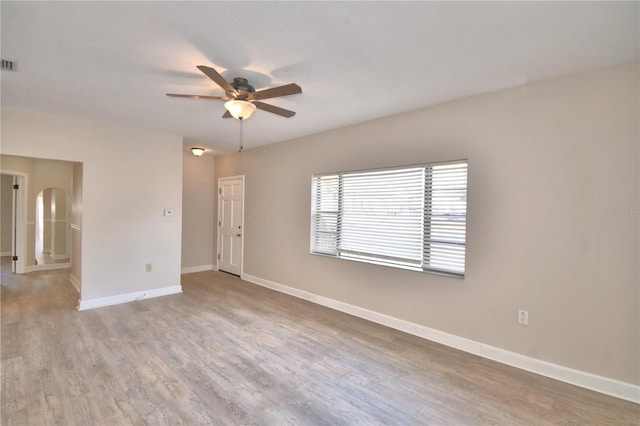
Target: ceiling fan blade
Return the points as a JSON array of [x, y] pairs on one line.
[[274, 92], [218, 79], [226, 114], [177, 95], [274, 109]]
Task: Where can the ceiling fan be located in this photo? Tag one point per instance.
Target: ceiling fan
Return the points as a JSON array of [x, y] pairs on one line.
[[242, 98]]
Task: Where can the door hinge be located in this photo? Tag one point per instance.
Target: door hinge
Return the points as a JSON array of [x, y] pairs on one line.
[[218, 256], [219, 223], [220, 191], [16, 186], [14, 258]]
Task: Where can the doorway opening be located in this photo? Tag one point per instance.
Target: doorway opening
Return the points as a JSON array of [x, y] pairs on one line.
[[53, 231], [47, 216], [12, 220]]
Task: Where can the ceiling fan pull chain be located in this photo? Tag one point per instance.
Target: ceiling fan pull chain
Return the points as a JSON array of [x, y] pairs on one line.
[[241, 133]]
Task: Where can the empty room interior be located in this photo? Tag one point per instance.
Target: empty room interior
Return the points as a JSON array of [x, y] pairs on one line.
[[340, 213]]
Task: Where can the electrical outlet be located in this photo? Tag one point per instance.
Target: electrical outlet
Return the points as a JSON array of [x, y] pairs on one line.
[[149, 267], [523, 317]]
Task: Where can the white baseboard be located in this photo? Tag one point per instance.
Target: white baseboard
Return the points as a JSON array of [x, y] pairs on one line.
[[83, 305], [76, 283], [201, 268], [616, 388], [59, 256], [47, 267]]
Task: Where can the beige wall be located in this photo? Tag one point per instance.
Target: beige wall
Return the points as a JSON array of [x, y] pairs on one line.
[[60, 201], [47, 226], [198, 188], [129, 176], [552, 228], [6, 214], [76, 225]]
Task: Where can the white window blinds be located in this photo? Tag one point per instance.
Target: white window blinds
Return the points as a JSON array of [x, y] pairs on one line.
[[412, 217]]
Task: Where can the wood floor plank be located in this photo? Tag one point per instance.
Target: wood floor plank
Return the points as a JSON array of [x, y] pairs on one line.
[[227, 352]]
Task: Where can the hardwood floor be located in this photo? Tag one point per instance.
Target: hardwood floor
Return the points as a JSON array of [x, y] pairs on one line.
[[229, 352]]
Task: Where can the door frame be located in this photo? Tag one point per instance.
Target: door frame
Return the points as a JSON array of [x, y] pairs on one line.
[[218, 224], [19, 221]]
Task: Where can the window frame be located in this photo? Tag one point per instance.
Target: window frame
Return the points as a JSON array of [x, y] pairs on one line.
[[335, 251]]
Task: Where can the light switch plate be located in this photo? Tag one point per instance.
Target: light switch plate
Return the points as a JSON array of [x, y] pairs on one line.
[[168, 212]]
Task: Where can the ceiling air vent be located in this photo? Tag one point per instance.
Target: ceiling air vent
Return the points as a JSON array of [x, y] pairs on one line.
[[9, 65]]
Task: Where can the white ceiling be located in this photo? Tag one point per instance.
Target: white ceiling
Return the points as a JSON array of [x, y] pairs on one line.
[[355, 61]]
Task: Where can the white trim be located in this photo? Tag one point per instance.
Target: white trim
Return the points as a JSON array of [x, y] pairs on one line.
[[201, 268], [73, 280], [605, 385], [19, 221], [100, 302]]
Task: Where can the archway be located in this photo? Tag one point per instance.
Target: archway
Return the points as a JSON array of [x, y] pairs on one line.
[[52, 228]]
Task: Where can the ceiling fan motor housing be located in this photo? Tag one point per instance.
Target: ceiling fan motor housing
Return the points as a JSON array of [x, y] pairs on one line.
[[242, 85]]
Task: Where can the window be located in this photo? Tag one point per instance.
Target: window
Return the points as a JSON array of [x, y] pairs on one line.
[[410, 217]]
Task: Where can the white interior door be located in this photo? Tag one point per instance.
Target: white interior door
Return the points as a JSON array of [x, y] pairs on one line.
[[230, 224]]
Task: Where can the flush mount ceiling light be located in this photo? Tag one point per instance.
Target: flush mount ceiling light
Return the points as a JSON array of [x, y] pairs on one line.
[[240, 109], [197, 151]]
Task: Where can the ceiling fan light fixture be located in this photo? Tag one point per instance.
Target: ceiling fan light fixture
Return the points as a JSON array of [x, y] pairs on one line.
[[240, 109], [197, 151]]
